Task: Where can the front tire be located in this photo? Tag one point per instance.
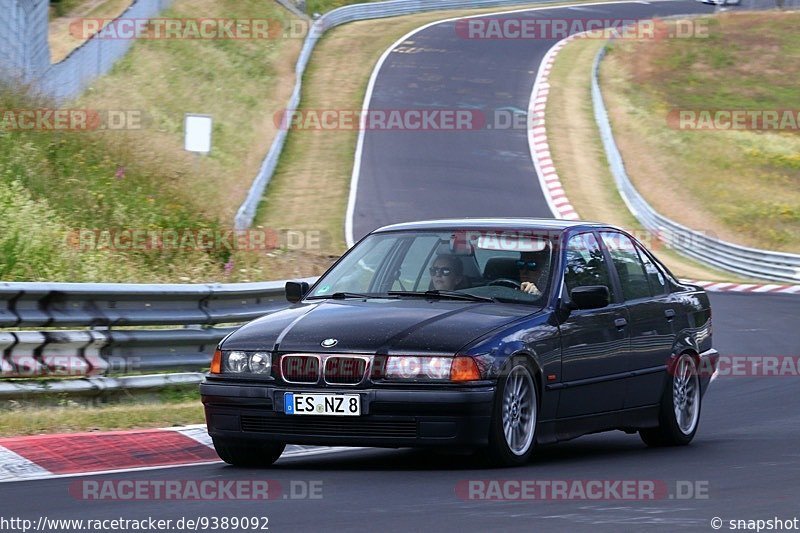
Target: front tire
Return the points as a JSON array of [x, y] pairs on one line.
[[247, 453], [513, 428], [680, 407]]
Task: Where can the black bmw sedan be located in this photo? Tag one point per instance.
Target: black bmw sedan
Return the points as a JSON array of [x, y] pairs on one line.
[[494, 335]]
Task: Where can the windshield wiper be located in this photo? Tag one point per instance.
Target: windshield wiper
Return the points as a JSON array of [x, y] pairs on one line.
[[346, 295], [449, 295]]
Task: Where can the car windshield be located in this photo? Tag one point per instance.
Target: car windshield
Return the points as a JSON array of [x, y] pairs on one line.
[[479, 265]]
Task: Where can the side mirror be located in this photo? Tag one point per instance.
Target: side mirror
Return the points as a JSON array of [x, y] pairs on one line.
[[590, 297], [295, 290]]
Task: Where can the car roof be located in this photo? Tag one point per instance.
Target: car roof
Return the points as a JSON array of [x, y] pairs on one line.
[[516, 224]]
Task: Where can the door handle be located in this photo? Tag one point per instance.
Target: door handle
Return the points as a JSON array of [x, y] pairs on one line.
[[670, 314], [620, 323]]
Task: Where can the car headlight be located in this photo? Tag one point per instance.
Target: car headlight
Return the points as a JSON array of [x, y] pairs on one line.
[[260, 363], [410, 367], [239, 362], [431, 368]]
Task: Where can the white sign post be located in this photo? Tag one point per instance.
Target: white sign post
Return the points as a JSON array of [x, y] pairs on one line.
[[197, 133]]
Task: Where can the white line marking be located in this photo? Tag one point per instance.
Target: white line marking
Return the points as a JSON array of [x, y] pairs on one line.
[[200, 434], [354, 178], [13, 466]]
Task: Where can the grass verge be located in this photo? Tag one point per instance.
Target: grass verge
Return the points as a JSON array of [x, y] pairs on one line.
[[740, 185], [580, 159], [310, 187], [63, 415], [62, 37], [140, 178]]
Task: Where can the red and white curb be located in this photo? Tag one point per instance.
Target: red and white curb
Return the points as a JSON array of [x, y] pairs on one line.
[[553, 190], [537, 139], [77, 454], [716, 286]]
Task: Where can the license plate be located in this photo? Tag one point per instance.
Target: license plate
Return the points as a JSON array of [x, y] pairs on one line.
[[322, 404]]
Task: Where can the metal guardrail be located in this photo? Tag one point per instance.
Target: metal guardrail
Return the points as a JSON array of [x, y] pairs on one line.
[[247, 211], [751, 262], [201, 310]]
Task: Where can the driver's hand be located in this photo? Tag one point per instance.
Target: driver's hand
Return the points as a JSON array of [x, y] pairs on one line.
[[530, 288]]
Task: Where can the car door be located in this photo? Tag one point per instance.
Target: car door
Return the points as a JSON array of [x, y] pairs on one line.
[[594, 342], [650, 318]]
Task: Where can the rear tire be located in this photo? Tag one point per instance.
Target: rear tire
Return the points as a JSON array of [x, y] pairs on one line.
[[239, 452], [512, 433], [680, 406]]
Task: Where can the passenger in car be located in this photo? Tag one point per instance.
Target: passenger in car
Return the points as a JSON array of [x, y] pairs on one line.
[[533, 271], [447, 273]]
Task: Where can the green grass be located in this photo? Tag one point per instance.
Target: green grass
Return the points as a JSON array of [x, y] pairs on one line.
[[63, 415], [54, 183], [323, 6], [742, 185], [59, 8]]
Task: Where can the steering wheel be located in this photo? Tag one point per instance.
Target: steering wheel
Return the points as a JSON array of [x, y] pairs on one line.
[[505, 282]]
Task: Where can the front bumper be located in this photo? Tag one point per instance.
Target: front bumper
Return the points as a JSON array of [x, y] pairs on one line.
[[391, 417]]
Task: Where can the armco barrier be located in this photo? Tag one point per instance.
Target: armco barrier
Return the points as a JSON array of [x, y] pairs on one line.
[[751, 262], [106, 349], [132, 304], [247, 211]]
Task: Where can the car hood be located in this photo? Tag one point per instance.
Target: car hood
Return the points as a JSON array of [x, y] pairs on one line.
[[375, 326]]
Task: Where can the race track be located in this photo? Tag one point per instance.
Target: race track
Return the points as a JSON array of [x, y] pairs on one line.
[[745, 453], [415, 175]]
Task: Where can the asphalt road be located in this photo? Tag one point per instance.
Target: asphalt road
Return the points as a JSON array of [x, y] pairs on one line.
[[744, 462], [414, 175]]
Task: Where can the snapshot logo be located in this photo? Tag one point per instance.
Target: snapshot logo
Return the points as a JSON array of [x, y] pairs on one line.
[[188, 239], [71, 120], [194, 489], [580, 489], [734, 119], [188, 29], [486, 28]]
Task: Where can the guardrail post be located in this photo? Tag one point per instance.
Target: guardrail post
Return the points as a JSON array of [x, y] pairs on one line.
[[61, 353], [7, 340], [24, 352]]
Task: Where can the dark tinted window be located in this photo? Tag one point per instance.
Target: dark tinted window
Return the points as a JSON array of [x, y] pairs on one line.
[[658, 281], [586, 264], [632, 276]]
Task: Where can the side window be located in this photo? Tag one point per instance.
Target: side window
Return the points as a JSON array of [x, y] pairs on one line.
[[632, 276], [586, 264], [658, 282]]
